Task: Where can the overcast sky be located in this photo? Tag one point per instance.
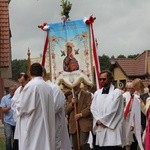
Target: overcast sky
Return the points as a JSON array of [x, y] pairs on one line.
[[121, 26]]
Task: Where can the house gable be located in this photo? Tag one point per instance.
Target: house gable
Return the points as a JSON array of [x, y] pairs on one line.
[[136, 67], [126, 69]]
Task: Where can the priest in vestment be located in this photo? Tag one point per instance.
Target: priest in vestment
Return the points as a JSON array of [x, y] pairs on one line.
[[132, 117], [23, 80], [127, 95], [36, 113], [107, 109], [62, 141]]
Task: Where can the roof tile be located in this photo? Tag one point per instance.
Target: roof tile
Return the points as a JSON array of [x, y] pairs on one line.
[[134, 67], [4, 34]]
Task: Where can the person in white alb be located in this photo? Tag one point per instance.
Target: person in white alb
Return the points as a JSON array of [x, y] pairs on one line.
[[62, 141], [23, 79], [36, 113], [132, 117], [107, 109]]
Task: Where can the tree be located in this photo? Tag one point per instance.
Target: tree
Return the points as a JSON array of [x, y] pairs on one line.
[[112, 57], [104, 62], [133, 56], [121, 56], [18, 66]]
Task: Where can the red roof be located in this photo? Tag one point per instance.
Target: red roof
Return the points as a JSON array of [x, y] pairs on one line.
[[134, 67], [4, 34]]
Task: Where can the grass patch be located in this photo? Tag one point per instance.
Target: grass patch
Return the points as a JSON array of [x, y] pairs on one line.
[[2, 143]]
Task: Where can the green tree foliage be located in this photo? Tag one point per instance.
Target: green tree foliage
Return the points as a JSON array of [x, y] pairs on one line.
[[121, 56], [66, 7], [104, 62], [112, 57], [133, 56], [18, 66]]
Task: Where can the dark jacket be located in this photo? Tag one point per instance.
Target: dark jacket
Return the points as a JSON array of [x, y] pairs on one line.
[[83, 106]]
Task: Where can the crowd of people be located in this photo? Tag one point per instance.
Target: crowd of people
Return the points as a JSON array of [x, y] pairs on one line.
[[40, 116]]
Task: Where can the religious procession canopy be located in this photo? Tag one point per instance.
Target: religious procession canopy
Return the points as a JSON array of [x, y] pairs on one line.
[[71, 51]]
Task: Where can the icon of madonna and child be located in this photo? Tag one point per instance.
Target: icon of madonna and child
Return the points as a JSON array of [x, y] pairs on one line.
[[70, 63]]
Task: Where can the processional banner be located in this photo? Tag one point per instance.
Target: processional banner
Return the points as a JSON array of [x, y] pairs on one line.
[[70, 53]]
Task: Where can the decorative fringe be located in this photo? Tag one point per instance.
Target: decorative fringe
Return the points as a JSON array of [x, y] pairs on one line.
[[61, 86], [82, 85]]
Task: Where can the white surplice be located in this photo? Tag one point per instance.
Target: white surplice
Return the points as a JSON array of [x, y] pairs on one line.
[[36, 116], [135, 120], [62, 136], [15, 102], [128, 133], [108, 108]]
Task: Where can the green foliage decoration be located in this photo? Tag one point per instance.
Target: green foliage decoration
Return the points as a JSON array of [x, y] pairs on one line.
[[66, 7]]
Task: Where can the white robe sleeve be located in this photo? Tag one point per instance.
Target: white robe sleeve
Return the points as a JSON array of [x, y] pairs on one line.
[[28, 104], [135, 121], [108, 108], [14, 100], [115, 111], [94, 105], [59, 99]]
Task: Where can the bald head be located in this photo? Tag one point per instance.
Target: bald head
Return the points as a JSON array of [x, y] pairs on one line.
[[130, 87], [129, 84]]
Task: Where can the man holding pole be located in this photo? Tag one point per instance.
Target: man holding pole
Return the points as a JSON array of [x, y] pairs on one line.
[[80, 117]]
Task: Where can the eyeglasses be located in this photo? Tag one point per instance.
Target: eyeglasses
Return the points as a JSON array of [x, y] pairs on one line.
[[102, 79]]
